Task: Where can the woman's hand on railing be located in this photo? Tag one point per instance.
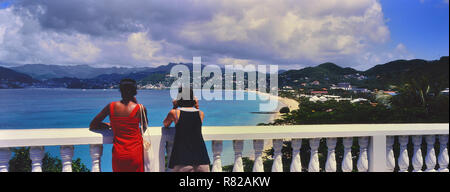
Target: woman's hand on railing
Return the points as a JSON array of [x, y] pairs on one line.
[[101, 126]]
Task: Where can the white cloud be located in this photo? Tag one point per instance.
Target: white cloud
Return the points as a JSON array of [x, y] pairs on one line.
[[136, 33], [141, 47], [370, 58], [304, 31]]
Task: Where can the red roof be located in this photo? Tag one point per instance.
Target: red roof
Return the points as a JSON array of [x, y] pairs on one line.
[[319, 92]]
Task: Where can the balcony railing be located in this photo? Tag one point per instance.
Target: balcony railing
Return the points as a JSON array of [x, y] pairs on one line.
[[375, 143]]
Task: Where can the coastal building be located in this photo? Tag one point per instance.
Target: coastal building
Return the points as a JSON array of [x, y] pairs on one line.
[[319, 92], [390, 92], [360, 90], [343, 86], [358, 100], [316, 83]]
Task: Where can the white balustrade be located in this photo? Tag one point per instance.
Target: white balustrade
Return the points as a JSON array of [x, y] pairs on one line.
[[5, 154], [96, 152], [314, 165], [417, 159], [430, 159], [238, 146], [347, 162], [277, 156], [296, 164], [66, 152], [169, 147], [258, 146], [217, 151], [36, 156], [363, 162], [390, 159], [375, 143], [403, 159], [330, 164], [443, 153]]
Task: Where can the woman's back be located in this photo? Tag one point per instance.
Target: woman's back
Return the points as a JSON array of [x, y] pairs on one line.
[[127, 143], [189, 146]]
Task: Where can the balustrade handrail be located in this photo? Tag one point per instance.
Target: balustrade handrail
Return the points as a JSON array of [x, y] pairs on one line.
[[375, 143], [82, 136]]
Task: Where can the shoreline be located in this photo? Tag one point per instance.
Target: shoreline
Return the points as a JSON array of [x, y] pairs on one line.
[[282, 102]]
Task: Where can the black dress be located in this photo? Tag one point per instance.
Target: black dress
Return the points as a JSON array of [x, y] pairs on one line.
[[189, 147]]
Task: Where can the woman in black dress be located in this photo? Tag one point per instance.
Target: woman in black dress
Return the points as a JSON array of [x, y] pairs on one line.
[[189, 151]]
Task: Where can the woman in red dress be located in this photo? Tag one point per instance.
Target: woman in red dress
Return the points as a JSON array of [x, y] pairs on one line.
[[127, 153]]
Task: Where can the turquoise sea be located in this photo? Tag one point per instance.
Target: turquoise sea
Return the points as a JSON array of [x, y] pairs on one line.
[[75, 108]]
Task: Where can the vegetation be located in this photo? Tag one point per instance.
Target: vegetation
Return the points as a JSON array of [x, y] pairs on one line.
[[418, 101], [21, 162], [285, 110]]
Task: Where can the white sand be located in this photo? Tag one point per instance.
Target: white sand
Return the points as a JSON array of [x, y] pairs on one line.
[[283, 102]]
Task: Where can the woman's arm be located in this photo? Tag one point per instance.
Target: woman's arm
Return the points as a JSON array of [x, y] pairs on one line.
[[202, 115], [96, 123], [146, 114], [170, 118]]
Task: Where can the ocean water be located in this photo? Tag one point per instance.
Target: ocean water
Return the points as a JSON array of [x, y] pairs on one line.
[[75, 108]]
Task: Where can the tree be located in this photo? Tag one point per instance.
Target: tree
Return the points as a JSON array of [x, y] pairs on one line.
[[21, 162], [285, 110]]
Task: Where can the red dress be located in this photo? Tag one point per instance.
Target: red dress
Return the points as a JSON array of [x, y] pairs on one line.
[[127, 153]]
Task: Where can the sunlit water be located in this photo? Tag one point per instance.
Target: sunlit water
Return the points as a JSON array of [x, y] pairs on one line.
[[75, 108]]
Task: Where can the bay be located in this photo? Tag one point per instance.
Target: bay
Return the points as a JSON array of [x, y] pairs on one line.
[[75, 108]]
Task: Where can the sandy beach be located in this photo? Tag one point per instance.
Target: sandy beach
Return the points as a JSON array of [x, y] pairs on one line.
[[283, 102]]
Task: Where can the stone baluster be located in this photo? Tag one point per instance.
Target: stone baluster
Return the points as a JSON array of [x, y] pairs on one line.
[[66, 152], [36, 156], [238, 146], [403, 159], [430, 159], [217, 147], [347, 162], [390, 158], [363, 162], [96, 151], [277, 165], [443, 153], [417, 159], [169, 147], [330, 164], [296, 164], [314, 165], [5, 155], [258, 146]]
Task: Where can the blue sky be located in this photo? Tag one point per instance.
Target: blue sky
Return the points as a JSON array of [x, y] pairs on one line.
[[292, 34], [422, 26]]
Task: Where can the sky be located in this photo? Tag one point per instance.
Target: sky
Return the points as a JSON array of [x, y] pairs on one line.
[[292, 34]]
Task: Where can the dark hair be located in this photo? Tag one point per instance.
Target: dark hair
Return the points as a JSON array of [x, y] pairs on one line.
[[128, 89], [183, 101]]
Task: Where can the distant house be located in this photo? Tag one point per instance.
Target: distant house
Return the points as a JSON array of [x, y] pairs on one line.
[[315, 83], [359, 90], [287, 87], [343, 86], [358, 100], [390, 92], [303, 84], [315, 99], [319, 92]]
